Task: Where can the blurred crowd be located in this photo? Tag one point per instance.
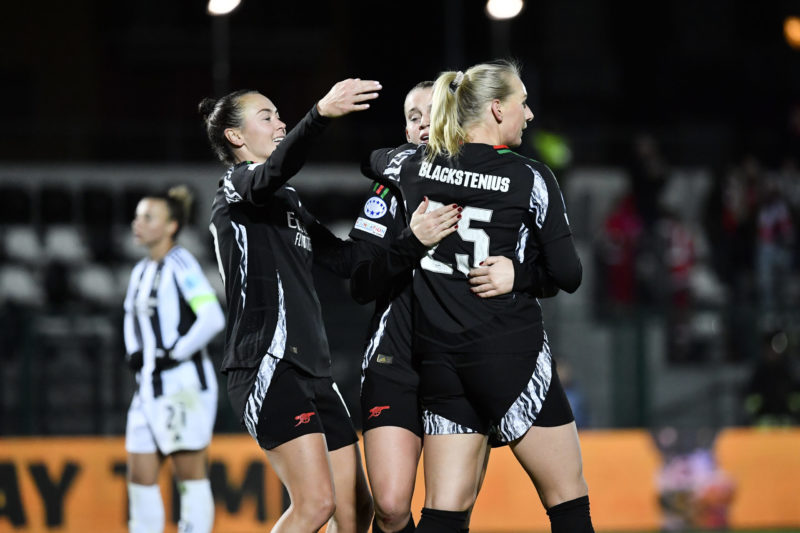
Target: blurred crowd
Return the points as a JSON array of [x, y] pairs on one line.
[[740, 250]]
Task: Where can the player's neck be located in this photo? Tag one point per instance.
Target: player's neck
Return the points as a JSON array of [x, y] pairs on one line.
[[484, 134], [160, 250]]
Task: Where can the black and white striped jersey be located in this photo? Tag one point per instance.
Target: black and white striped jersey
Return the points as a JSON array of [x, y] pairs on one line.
[[512, 206], [170, 307], [263, 237]]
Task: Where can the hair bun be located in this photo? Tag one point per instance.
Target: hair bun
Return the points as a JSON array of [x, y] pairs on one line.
[[206, 107]]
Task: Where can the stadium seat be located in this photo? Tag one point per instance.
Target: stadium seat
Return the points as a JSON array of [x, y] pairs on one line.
[[21, 244], [97, 285], [65, 243], [19, 285]]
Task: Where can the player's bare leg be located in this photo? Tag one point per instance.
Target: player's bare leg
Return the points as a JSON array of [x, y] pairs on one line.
[[303, 467], [392, 455]]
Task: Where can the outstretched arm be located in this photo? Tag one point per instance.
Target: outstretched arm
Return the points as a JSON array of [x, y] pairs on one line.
[[255, 182]]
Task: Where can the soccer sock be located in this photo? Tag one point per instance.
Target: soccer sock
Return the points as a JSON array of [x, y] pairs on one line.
[[408, 528], [436, 521], [146, 508], [571, 517], [197, 506]]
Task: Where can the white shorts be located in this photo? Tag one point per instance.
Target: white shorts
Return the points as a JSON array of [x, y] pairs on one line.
[[179, 420]]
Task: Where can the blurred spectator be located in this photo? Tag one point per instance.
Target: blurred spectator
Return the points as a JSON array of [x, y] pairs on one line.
[[740, 203], [720, 226], [648, 173], [577, 401], [694, 492], [774, 250], [773, 392], [678, 257], [617, 255]]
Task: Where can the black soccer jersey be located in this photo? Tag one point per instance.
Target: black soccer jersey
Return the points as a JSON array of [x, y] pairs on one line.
[[264, 237], [512, 206], [386, 251]]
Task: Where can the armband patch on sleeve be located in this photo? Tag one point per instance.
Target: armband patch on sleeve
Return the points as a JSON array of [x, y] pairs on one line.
[[370, 226], [375, 207], [199, 301]]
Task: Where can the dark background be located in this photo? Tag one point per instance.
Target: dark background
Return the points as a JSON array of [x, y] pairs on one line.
[[120, 81]]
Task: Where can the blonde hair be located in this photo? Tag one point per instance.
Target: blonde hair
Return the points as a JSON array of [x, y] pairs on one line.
[[179, 200], [181, 196], [459, 99]]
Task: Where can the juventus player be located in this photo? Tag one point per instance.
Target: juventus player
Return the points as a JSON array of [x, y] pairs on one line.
[[486, 364], [277, 359], [171, 313]]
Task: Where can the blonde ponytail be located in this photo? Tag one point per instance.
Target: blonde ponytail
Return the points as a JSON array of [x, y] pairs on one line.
[[459, 100]]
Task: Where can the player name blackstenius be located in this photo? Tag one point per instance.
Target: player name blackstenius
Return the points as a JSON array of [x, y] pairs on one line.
[[456, 176]]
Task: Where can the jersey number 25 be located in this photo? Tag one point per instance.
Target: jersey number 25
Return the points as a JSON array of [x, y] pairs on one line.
[[478, 237]]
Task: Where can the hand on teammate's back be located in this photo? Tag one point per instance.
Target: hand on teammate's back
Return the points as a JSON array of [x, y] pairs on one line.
[[431, 227], [347, 96], [494, 276]]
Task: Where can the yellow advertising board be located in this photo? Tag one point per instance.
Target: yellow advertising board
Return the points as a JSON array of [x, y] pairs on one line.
[[71, 485]]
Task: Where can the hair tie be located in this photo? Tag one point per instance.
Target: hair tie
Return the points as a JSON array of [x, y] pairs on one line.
[[456, 83]]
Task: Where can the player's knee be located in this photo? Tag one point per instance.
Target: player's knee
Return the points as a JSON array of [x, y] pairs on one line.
[[392, 507], [569, 489], [316, 508]]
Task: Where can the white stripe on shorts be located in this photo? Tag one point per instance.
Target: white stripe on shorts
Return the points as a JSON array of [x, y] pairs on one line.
[[433, 424], [523, 412], [252, 408]]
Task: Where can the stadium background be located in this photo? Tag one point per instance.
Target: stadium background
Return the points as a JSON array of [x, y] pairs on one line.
[[672, 131]]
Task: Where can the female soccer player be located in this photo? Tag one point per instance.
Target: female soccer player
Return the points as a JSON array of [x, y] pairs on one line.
[[276, 353], [391, 417], [486, 364], [171, 314]]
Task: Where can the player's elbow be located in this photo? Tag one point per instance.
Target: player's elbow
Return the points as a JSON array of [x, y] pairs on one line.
[[571, 279], [216, 320]]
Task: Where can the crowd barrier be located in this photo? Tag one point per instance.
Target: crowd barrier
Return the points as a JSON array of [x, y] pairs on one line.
[[78, 484]]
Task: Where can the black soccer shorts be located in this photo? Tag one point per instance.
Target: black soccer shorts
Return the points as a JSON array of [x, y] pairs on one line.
[[501, 395], [279, 402]]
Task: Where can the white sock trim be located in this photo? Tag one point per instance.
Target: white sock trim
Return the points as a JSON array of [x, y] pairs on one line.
[[197, 506], [146, 509]]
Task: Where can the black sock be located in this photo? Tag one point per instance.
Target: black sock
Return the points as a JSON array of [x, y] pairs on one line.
[[409, 527], [571, 517], [436, 521]]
